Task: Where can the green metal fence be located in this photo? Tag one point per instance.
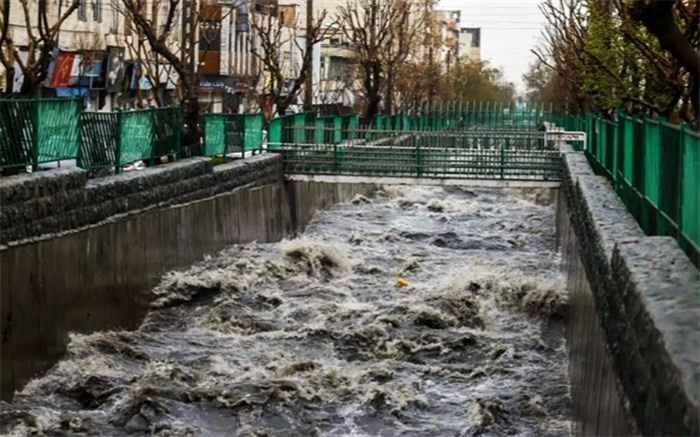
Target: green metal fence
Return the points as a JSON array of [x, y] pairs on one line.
[[292, 128], [479, 115], [115, 139], [444, 116], [497, 155], [655, 168], [38, 131], [232, 133]]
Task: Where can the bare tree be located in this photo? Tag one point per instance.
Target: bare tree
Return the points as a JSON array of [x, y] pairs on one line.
[[383, 34], [604, 60], [272, 37], [156, 31], [42, 28], [408, 33]]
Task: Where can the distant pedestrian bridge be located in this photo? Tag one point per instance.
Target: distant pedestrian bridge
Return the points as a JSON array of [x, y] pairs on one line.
[[508, 155]]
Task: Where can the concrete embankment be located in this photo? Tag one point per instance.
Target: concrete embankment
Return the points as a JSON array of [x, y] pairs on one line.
[[634, 330], [79, 254]]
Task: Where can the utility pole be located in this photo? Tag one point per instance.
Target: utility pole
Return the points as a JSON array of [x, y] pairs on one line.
[[308, 89], [188, 35]]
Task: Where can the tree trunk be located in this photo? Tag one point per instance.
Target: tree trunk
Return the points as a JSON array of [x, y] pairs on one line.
[[192, 133], [372, 87], [389, 95]]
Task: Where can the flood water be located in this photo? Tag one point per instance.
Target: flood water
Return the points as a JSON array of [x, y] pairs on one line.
[[314, 336]]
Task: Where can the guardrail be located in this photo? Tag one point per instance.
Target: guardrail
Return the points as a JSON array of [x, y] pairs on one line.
[[38, 131], [232, 133], [464, 155], [34, 131], [654, 167], [116, 139]]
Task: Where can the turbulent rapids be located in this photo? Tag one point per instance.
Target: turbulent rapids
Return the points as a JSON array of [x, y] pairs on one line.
[[314, 336]]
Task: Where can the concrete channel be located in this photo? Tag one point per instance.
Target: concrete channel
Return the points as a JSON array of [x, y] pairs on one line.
[[81, 255]]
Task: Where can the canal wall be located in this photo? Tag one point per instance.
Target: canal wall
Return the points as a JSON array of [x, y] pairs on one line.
[[634, 331], [79, 254]]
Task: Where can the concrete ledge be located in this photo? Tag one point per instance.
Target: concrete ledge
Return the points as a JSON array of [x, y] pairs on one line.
[[43, 204], [661, 293], [486, 183], [635, 280], [16, 189]]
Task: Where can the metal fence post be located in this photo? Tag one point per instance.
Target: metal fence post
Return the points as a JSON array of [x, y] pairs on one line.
[[79, 157], [35, 134], [503, 162], [419, 164], [118, 147], [681, 175], [336, 159]]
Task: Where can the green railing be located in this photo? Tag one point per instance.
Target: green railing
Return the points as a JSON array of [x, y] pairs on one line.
[[505, 155], [329, 130], [115, 139], [479, 115], [655, 168], [232, 133], [501, 156], [453, 116], [38, 131], [292, 128]]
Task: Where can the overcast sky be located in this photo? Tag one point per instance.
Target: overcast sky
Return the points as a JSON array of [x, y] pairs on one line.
[[509, 29]]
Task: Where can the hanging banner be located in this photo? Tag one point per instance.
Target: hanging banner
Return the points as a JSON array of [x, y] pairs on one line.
[[92, 72], [62, 69], [139, 80], [115, 69], [75, 69]]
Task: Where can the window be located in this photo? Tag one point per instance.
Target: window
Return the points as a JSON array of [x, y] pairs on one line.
[[114, 25], [82, 10], [97, 10], [475, 37], [210, 35]]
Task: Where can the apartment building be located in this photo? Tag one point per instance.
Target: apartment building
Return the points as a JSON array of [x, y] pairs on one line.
[[470, 43], [102, 58], [449, 35]]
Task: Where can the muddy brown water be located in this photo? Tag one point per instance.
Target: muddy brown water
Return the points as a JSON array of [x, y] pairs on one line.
[[313, 336]]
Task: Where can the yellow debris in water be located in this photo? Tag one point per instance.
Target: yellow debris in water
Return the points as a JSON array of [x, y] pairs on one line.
[[401, 282]]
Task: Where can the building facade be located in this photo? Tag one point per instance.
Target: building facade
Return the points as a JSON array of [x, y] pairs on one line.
[[102, 57], [470, 43]]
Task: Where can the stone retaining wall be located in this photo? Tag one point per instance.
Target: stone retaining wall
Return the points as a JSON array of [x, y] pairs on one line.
[[646, 296], [51, 202]]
